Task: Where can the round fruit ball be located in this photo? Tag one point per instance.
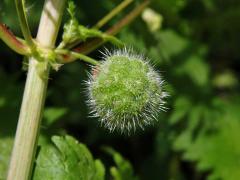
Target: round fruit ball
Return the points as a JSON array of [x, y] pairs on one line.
[[125, 92]]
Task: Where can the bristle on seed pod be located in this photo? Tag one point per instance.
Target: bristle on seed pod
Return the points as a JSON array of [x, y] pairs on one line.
[[125, 92]]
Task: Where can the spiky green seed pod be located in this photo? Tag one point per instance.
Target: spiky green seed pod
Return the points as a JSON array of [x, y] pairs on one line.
[[125, 91]]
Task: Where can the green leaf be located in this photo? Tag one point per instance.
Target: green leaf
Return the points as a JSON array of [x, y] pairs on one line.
[[67, 159], [171, 44], [181, 107], [185, 139], [215, 149], [5, 152], [124, 170], [196, 69], [51, 115], [100, 170]]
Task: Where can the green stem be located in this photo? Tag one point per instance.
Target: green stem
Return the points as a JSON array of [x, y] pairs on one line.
[[75, 55], [128, 19], [112, 13], [24, 24], [24, 149], [84, 58]]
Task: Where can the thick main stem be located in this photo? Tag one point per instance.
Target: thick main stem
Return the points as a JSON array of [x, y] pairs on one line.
[[24, 149]]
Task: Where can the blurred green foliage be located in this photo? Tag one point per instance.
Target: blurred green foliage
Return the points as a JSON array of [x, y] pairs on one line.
[[196, 50]]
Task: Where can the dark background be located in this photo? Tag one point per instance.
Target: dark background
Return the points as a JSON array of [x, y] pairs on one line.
[[196, 50]]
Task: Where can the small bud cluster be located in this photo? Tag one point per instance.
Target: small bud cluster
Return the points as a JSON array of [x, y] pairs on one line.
[[125, 91]]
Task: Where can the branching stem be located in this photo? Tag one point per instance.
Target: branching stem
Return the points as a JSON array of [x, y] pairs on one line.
[[91, 45], [24, 23], [12, 41]]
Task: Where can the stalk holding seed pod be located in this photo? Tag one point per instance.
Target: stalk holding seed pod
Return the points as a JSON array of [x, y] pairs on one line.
[[125, 91]]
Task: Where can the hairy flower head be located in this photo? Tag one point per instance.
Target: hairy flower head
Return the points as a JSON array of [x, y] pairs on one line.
[[125, 91]]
